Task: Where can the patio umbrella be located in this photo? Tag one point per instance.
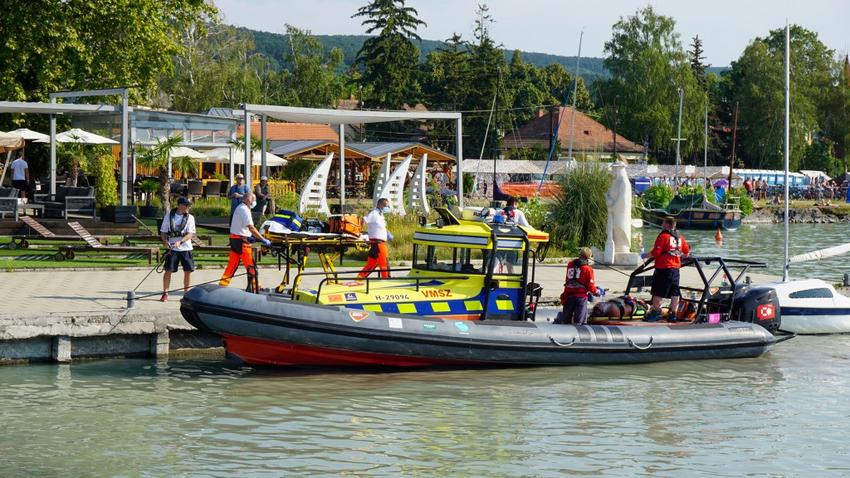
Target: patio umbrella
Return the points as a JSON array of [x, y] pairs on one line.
[[31, 135], [80, 136], [721, 183], [222, 155], [183, 152], [9, 142]]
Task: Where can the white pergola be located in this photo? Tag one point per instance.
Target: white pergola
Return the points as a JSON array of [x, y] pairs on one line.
[[54, 109], [342, 118]]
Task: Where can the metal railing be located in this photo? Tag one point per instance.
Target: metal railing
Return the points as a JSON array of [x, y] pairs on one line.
[[417, 279]]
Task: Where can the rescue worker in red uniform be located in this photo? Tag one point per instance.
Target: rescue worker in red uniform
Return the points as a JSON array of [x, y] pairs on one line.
[[378, 237], [579, 284], [241, 230], [669, 248]]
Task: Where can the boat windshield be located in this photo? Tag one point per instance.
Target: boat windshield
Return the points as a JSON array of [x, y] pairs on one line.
[[448, 259]]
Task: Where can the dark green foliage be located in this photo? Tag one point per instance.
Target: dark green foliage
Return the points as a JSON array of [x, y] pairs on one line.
[[580, 214], [657, 196], [387, 61], [745, 202], [298, 171]]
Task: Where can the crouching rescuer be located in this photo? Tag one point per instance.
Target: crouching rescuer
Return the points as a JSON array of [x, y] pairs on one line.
[[241, 231], [579, 287]]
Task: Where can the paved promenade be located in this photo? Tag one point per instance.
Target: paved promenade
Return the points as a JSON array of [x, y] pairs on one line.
[[96, 292]]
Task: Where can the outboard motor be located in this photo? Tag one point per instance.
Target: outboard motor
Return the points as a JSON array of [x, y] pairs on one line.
[[758, 305]]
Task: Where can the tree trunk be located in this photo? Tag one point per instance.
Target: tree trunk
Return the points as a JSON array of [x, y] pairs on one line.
[[74, 172], [165, 192]]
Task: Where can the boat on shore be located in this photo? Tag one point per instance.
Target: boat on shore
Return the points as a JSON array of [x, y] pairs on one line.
[[470, 300], [695, 211]]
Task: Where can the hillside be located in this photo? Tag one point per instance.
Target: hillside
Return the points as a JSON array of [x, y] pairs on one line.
[[273, 46]]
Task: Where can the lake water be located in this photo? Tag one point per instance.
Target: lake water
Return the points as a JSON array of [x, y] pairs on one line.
[[765, 242], [783, 414]]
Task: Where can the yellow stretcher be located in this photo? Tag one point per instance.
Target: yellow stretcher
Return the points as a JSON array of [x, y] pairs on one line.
[[292, 250]]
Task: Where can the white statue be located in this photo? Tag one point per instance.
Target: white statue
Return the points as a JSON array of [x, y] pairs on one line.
[[619, 202]]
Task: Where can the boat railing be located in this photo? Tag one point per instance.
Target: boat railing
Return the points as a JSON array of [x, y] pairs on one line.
[[418, 280]]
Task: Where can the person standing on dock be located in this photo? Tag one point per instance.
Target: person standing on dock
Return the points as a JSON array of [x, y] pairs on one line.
[[379, 253], [178, 228], [580, 282], [237, 192], [241, 230], [669, 248]]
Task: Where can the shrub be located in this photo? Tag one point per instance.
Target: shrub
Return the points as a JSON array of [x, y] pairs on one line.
[[745, 201], [657, 196], [297, 171], [580, 214], [106, 190]]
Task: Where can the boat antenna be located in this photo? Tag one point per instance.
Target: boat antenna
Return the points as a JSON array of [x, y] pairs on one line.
[[560, 118], [705, 148], [786, 264], [575, 95], [679, 138], [486, 132]]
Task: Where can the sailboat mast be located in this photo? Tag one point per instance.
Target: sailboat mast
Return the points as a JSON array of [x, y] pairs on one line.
[[787, 139], [575, 91], [705, 149]]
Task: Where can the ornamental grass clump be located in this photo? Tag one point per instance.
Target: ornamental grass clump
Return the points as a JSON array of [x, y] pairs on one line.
[[579, 215]]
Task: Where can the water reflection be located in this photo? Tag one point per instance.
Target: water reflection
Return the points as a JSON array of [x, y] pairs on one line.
[[783, 412]]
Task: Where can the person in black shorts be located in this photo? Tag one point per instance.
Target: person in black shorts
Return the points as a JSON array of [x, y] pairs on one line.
[[669, 248], [178, 228]]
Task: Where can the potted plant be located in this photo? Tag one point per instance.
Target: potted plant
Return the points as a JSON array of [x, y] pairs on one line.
[[149, 187]]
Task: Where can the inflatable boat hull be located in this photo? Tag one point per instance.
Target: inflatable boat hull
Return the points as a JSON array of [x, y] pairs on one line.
[[272, 330]]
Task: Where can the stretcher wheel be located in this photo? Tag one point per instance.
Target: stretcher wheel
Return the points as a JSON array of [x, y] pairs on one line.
[[69, 254], [59, 257], [12, 245], [25, 244]]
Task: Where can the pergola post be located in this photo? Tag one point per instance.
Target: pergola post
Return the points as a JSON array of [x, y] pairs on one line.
[[263, 164], [341, 167], [125, 124], [459, 157], [53, 152], [232, 167], [247, 146]]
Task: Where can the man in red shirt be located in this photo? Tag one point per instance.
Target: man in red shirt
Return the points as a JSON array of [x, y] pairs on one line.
[[579, 283], [668, 251]]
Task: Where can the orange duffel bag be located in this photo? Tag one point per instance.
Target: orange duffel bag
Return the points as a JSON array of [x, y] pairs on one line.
[[350, 224]]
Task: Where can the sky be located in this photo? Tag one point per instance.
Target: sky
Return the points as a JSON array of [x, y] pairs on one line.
[[552, 26]]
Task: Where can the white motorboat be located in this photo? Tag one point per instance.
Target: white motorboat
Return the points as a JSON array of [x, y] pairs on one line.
[[812, 306]]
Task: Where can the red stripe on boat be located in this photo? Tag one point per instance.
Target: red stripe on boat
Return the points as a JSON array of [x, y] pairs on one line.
[[269, 352]]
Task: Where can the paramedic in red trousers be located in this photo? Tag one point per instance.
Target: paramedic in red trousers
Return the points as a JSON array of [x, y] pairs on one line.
[[579, 285], [379, 254], [241, 230], [668, 251]]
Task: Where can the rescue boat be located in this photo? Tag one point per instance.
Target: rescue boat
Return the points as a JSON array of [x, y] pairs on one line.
[[469, 299]]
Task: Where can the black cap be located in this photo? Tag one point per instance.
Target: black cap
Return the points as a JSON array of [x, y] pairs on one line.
[[183, 201]]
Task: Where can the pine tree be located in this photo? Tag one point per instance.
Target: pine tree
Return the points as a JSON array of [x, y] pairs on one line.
[[389, 60], [697, 66]]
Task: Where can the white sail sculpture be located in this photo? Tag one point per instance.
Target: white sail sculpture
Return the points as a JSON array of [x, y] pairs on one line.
[[418, 196], [381, 180], [394, 188], [315, 192]]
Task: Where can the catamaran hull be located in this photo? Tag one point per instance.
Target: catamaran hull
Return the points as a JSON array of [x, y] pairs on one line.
[[271, 330], [815, 321]]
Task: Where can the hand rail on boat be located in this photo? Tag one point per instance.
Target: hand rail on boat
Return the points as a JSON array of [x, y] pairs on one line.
[[418, 280]]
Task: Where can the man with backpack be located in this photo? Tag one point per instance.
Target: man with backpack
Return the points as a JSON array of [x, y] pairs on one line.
[[177, 230]]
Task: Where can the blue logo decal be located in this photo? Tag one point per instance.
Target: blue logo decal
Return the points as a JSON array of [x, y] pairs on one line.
[[464, 329]]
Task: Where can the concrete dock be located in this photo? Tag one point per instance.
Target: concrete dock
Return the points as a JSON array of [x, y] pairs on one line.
[[64, 315]]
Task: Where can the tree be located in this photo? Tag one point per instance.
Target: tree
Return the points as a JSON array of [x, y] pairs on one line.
[[758, 85], [697, 66], [648, 65], [311, 75], [156, 158], [53, 45], [388, 61]]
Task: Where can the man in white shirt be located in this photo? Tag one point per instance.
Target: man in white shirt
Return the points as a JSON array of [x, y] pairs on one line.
[[177, 230], [241, 230], [20, 175], [378, 237]]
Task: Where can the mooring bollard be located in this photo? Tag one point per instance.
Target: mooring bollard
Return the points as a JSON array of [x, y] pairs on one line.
[[846, 280], [131, 299]]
